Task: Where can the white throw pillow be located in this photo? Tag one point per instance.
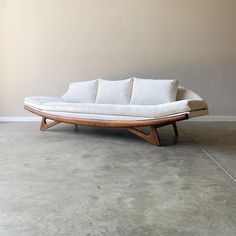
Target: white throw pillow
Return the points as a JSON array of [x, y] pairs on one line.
[[114, 92], [153, 92], [82, 92]]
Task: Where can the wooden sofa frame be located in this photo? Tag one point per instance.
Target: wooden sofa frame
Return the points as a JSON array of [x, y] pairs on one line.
[[130, 125]]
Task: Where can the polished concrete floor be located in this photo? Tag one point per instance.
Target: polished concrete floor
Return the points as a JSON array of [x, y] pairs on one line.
[[98, 182]]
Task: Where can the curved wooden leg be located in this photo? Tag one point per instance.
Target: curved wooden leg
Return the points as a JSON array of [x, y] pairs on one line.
[[175, 129], [151, 138], [44, 125]]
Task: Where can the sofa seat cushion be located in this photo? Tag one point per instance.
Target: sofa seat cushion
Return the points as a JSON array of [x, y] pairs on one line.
[[114, 92], [151, 111], [97, 116], [153, 92], [83, 92], [39, 101]]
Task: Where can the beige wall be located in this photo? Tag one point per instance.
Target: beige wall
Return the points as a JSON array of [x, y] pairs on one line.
[[45, 44]]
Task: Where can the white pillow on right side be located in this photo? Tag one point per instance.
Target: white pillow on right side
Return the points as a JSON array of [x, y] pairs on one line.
[[153, 92]]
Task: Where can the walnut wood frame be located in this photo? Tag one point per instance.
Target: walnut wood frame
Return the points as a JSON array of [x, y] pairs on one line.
[[130, 125]]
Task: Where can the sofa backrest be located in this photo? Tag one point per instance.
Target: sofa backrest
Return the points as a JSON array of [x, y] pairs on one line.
[[184, 93], [114, 92], [133, 91], [82, 92], [153, 92]]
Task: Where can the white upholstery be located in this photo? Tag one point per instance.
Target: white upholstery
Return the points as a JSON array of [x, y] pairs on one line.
[[152, 111], [184, 93], [197, 113], [115, 117], [153, 92], [141, 99], [114, 92], [39, 101], [83, 92], [96, 116]]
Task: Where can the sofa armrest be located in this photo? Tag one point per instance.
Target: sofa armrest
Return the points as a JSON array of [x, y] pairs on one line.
[[185, 105], [195, 105]]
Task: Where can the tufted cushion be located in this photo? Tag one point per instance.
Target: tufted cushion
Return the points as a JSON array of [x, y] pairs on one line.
[[82, 92], [114, 92], [153, 92]]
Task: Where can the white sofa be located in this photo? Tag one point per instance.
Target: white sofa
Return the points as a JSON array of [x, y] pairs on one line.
[[126, 103]]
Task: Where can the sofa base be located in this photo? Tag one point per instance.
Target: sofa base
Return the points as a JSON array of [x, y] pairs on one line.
[[130, 125], [152, 137], [45, 125]]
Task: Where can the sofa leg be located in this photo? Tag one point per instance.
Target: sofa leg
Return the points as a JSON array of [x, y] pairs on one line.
[[152, 137], [175, 129], [76, 128], [44, 125]]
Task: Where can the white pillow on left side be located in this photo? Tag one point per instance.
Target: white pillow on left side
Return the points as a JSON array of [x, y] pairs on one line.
[[114, 92], [82, 92]]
